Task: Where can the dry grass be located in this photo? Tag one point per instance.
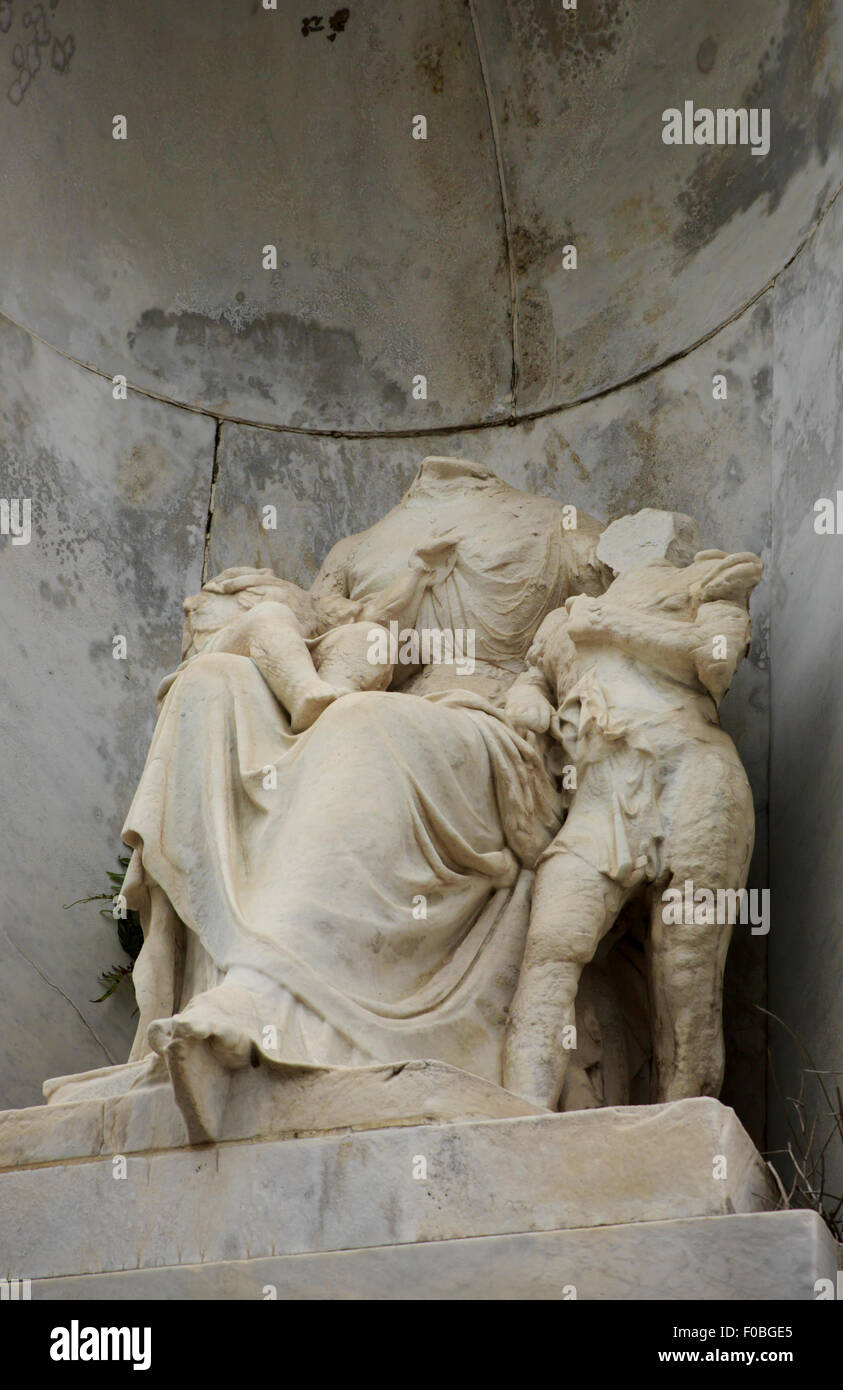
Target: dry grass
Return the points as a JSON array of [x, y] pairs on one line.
[[814, 1118]]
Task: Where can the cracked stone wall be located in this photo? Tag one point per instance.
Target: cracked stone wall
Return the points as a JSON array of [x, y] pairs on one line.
[[293, 384], [119, 506]]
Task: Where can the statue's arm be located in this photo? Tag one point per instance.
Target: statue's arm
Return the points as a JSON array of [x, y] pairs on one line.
[[529, 705], [664, 643], [428, 565], [333, 572], [707, 650], [723, 632]]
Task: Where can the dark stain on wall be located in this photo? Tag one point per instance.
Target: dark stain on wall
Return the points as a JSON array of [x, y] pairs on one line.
[[588, 34], [728, 180], [328, 359]]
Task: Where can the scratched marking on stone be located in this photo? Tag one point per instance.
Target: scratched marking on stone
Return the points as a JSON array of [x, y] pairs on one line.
[[313, 24], [34, 34]]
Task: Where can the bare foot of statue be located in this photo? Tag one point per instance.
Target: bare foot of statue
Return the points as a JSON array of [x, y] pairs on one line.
[[226, 1017], [307, 703]]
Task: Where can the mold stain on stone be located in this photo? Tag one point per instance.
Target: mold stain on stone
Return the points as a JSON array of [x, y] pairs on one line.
[[534, 244], [728, 180], [587, 35], [762, 384], [329, 359], [429, 61], [706, 54], [144, 473]]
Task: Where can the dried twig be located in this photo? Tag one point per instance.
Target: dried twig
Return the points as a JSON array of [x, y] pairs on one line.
[[814, 1131]]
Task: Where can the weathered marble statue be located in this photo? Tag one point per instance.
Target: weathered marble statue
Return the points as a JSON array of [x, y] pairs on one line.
[[630, 683], [358, 892], [334, 874]]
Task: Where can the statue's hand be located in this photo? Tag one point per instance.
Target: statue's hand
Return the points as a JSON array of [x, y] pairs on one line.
[[436, 558], [239, 577], [587, 618], [733, 579], [527, 709]]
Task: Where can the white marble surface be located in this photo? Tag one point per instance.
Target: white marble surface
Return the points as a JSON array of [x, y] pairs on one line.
[[772, 1256], [277, 1102], [240, 1201]]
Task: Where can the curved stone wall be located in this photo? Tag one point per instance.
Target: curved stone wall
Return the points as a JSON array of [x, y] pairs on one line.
[[398, 256]]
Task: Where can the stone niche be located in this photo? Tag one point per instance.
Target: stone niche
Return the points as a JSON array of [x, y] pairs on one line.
[[422, 303]]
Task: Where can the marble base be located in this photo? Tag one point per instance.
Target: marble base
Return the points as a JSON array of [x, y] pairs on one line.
[[542, 1193], [143, 1106], [761, 1257]]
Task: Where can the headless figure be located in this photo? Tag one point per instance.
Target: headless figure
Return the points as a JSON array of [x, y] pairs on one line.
[[310, 650]]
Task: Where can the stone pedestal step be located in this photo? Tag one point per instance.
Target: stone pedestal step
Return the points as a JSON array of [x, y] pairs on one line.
[[393, 1186], [777, 1255]]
